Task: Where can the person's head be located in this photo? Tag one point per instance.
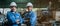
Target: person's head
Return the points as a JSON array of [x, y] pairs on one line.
[[13, 6], [29, 6]]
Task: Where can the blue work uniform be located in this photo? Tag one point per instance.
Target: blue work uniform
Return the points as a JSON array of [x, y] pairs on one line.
[[32, 15], [12, 17]]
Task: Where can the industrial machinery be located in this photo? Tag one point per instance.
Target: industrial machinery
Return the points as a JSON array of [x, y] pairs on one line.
[[2, 19]]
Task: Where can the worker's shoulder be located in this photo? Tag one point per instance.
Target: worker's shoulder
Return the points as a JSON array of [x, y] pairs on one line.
[[33, 11], [8, 12], [17, 13]]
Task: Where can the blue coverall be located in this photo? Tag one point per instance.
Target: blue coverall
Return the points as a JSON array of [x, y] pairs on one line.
[[12, 17], [32, 15]]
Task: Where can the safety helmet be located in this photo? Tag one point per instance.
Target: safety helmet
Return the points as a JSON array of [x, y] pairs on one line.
[[13, 4], [29, 4]]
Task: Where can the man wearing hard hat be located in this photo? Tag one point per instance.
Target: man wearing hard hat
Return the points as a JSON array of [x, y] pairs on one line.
[[30, 14], [13, 17]]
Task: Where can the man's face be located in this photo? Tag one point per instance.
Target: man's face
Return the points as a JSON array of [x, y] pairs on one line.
[[29, 8], [13, 8]]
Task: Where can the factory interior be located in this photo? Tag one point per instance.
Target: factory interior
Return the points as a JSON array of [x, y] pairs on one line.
[[48, 11]]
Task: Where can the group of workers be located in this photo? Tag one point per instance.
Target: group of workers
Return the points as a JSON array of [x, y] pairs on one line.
[[15, 18]]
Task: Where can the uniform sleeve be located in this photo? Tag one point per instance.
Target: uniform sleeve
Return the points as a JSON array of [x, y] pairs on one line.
[[10, 18], [21, 19], [33, 18]]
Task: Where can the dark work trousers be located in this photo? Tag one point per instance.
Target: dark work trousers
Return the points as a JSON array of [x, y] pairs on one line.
[[28, 24], [19, 24]]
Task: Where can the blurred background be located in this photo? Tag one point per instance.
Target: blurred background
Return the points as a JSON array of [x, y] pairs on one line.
[[48, 11]]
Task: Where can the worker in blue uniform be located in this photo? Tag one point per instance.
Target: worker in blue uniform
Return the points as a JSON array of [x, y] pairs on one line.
[[14, 18], [30, 14]]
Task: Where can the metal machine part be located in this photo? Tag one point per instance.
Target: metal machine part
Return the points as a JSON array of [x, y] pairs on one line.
[[1, 19]]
